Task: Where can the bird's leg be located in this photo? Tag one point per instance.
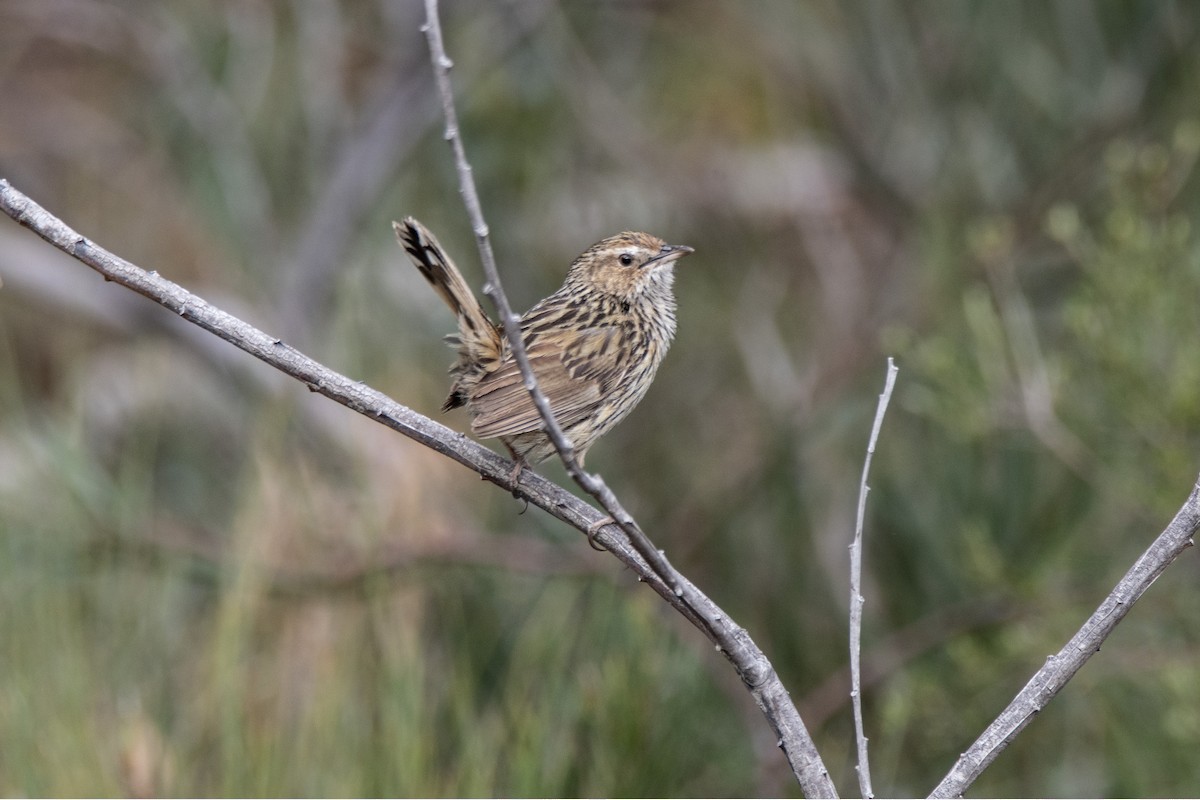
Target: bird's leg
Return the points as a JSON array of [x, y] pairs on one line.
[[519, 465], [514, 475]]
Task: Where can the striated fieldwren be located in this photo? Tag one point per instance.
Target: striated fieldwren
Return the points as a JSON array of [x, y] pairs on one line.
[[594, 345]]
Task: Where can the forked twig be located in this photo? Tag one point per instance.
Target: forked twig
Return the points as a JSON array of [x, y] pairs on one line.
[[750, 662], [856, 598], [752, 665]]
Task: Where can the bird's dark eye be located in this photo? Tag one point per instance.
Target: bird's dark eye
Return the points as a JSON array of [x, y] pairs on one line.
[[625, 259]]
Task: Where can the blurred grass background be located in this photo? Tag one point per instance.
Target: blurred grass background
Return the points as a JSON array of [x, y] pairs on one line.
[[215, 583]]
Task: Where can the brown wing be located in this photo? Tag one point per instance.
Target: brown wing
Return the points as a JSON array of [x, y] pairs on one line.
[[574, 369]]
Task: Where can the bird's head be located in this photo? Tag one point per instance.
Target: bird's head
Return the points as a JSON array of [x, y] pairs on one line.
[[627, 265]]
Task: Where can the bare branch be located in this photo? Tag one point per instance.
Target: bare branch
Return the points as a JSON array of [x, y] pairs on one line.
[[856, 599], [1060, 668], [752, 665]]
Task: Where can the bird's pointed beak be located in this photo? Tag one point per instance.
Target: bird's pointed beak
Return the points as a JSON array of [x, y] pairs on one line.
[[669, 253]]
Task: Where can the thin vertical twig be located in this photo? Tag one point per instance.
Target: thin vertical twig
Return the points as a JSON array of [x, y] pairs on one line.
[[752, 665], [863, 767]]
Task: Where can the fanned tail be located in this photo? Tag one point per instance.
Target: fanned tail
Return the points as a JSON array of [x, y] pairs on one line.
[[429, 257], [478, 339]]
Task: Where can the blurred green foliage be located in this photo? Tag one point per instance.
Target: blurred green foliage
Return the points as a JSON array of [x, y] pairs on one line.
[[213, 583]]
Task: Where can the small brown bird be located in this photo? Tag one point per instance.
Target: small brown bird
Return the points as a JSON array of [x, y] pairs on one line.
[[594, 345]]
